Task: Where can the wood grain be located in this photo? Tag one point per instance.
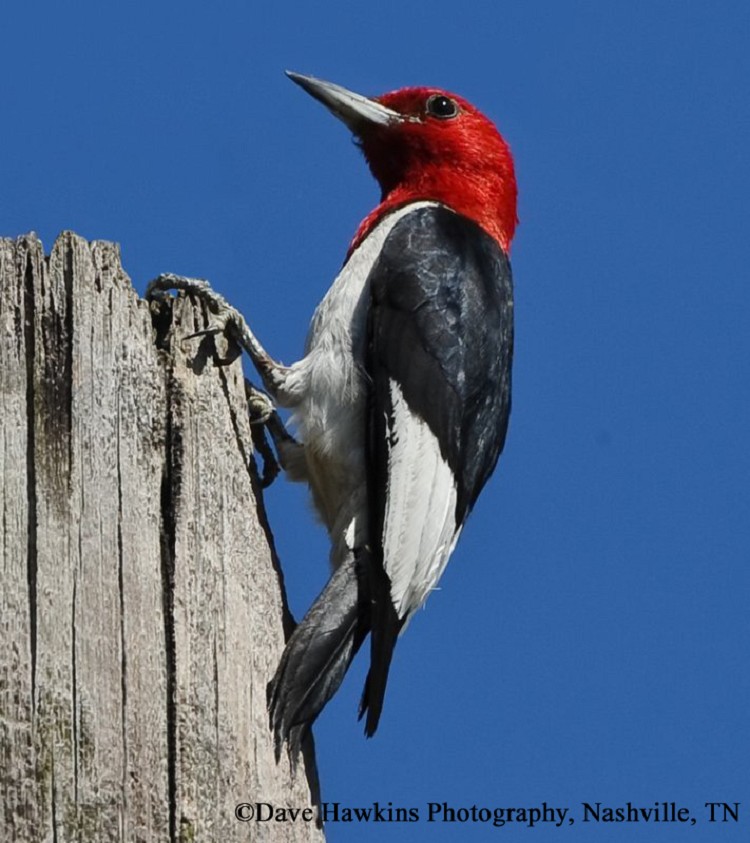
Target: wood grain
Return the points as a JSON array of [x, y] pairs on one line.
[[141, 611]]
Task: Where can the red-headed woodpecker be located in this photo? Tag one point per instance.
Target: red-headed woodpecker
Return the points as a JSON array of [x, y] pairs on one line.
[[403, 396]]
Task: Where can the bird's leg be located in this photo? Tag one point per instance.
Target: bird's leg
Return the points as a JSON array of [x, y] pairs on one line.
[[260, 410], [260, 405], [229, 320], [291, 453]]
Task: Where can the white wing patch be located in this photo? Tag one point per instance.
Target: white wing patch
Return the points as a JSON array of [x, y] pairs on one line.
[[328, 392], [419, 528]]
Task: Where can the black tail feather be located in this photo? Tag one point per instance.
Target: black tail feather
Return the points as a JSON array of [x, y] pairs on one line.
[[386, 626], [317, 656]]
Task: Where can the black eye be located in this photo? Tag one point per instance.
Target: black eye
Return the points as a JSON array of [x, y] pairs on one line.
[[441, 107]]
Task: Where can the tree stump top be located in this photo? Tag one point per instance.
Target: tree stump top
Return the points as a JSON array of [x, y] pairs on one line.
[[141, 610]]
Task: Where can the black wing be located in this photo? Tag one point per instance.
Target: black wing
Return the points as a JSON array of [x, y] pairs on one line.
[[439, 359]]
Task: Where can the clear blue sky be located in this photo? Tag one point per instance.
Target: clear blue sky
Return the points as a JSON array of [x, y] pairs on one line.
[[590, 641]]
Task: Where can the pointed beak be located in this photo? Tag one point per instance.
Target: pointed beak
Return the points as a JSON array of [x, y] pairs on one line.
[[356, 111]]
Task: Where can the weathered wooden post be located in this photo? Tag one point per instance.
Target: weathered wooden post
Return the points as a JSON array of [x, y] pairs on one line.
[[141, 611]]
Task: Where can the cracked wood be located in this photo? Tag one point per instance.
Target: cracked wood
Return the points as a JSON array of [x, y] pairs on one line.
[[141, 613]]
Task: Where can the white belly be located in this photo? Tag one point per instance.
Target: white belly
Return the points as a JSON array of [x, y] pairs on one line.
[[327, 390]]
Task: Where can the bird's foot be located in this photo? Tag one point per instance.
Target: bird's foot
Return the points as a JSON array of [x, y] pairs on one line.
[[289, 453], [226, 319], [229, 321], [260, 408]]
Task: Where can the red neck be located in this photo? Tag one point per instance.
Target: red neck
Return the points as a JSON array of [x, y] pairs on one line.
[[484, 194], [495, 213]]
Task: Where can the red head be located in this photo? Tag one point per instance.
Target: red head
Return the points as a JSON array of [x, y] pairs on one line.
[[424, 143]]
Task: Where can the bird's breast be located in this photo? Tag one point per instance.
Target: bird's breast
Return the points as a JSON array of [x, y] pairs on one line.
[[330, 388]]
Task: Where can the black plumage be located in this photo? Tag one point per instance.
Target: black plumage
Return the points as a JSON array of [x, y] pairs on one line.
[[440, 326]]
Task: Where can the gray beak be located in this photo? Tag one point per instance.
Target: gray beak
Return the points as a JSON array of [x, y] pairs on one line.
[[352, 109]]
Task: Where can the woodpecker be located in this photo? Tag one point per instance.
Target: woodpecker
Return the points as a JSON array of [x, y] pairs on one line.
[[403, 395]]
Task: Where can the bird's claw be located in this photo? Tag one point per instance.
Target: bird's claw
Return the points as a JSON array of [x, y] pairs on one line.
[[226, 319], [260, 408], [168, 281]]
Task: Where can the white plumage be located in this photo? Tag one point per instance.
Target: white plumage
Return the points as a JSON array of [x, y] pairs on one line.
[[327, 392], [419, 529]]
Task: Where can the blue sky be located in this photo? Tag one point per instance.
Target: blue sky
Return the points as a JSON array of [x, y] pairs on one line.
[[590, 639]]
